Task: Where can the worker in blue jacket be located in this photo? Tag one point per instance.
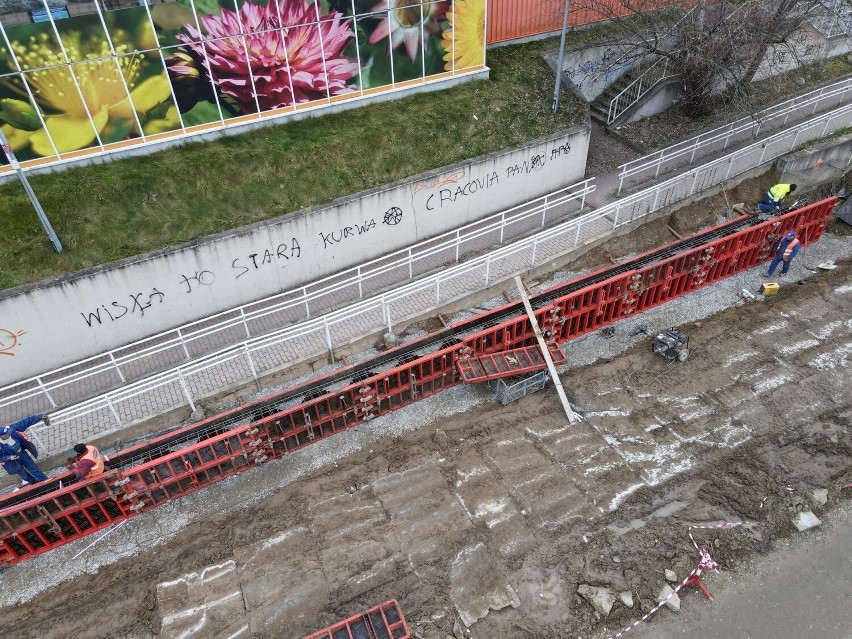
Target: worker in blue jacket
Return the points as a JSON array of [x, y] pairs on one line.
[[17, 452], [786, 250]]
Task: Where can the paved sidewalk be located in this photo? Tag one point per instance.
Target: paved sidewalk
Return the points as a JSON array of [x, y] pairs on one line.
[[802, 590]]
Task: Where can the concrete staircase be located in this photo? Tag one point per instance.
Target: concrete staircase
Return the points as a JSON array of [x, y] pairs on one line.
[[599, 108], [628, 91]]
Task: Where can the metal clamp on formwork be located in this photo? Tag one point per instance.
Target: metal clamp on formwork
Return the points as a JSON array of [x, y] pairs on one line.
[[367, 404], [133, 497]]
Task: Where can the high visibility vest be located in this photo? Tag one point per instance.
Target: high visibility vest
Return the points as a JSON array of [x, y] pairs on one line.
[[789, 250], [94, 455], [779, 191]]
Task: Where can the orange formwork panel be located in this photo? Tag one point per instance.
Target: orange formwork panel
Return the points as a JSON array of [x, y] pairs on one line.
[[381, 622], [517, 361], [174, 464]]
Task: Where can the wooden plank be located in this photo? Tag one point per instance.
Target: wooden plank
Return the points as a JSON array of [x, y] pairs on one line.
[[545, 351]]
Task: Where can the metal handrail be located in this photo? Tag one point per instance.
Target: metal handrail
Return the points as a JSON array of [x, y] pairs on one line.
[[182, 385], [752, 124], [301, 298], [634, 91]]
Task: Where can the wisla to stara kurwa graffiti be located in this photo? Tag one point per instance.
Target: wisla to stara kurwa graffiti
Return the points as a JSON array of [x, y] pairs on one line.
[[109, 77]]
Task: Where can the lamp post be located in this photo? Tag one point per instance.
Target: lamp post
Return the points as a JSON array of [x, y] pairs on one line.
[[561, 56], [45, 223]]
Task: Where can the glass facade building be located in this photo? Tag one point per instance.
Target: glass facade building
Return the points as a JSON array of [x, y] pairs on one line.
[[83, 77]]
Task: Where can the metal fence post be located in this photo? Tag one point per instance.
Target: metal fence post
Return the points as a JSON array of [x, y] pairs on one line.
[[544, 211], [656, 199], [487, 269], [34, 433], [410, 265], [250, 362], [185, 388], [113, 411], [458, 243], [117, 369], [438, 291], [182, 343], [387, 314], [825, 128], [360, 284], [730, 164], [328, 332], [577, 235], [44, 390], [694, 182], [245, 323], [534, 247], [502, 225]]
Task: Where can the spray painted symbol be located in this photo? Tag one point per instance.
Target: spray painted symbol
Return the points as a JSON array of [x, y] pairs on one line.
[[393, 216], [9, 340]]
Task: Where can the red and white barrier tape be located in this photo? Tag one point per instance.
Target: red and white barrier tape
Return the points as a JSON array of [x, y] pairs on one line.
[[705, 562]]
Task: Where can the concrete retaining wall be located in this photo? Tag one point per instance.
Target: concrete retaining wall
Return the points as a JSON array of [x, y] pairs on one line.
[[819, 164], [53, 323]]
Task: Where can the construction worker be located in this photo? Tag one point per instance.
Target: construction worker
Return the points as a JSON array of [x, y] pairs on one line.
[[88, 463], [17, 452], [786, 249], [772, 198]]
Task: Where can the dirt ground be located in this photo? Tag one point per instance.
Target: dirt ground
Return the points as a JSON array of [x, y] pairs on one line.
[[484, 523]]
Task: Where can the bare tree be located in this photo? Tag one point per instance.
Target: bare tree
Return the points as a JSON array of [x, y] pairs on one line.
[[716, 46]]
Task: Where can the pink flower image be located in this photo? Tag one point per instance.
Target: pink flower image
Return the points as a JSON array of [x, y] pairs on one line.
[[290, 59], [403, 22]]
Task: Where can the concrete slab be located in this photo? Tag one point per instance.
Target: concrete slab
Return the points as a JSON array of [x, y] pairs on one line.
[[485, 500], [283, 582], [423, 512], [204, 604], [539, 483], [474, 590], [805, 521]]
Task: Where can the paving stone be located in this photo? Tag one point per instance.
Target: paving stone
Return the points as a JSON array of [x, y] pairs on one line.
[[671, 598], [805, 521], [285, 585], [478, 585], [203, 604], [602, 599]]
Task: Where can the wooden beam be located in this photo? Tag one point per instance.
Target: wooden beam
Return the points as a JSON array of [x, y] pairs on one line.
[[545, 352]]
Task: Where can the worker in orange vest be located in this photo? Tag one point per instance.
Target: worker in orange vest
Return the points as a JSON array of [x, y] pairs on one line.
[[88, 463], [786, 248]]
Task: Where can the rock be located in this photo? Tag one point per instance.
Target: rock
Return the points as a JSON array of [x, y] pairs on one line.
[[616, 559], [821, 496], [673, 602], [671, 575], [602, 599], [440, 438], [391, 340], [626, 598], [805, 521]]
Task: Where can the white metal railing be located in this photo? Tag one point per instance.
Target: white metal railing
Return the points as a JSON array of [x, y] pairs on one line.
[[640, 86], [242, 362], [163, 351], [749, 127]]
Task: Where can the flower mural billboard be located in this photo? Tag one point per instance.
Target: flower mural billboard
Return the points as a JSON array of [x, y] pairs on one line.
[[112, 77]]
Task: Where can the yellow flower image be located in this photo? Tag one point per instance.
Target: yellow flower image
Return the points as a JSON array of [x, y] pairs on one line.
[[101, 81], [465, 42]]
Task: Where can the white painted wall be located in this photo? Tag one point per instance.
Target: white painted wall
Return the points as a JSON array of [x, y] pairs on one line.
[[87, 313], [803, 47]]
